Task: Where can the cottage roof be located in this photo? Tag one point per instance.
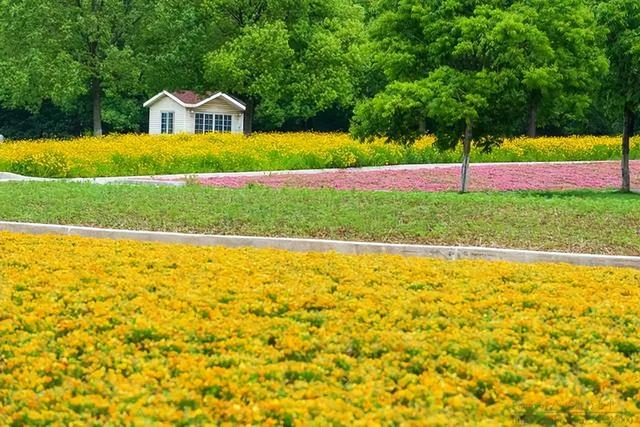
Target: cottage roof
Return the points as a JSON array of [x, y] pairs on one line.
[[191, 99], [189, 96]]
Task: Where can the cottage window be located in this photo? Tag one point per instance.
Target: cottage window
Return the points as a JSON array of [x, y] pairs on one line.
[[166, 122], [223, 123], [207, 122], [204, 123]]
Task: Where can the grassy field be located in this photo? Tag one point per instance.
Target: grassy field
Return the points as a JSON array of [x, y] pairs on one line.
[[119, 155], [590, 222], [100, 332]]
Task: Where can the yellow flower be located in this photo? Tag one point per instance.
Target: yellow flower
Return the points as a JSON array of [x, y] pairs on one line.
[[99, 332]]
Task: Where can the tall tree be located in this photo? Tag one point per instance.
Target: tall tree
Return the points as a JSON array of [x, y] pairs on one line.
[[621, 18], [112, 52], [564, 74], [456, 70], [287, 59], [61, 50]]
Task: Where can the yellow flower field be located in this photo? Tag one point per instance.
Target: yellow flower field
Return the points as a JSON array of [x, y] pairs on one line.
[[120, 333], [144, 154]]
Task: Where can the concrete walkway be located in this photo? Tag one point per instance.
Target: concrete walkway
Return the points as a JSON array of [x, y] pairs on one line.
[[344, 247], [7, 177]]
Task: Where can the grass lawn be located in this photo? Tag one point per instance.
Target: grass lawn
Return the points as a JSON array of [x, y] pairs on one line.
[[586, 221]]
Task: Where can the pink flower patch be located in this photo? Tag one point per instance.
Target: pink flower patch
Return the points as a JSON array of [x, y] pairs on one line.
[[503, 177]]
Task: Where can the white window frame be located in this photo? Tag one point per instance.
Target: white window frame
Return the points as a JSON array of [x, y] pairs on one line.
[[207, 120], [213, 122], [223, 123], [168, 125]]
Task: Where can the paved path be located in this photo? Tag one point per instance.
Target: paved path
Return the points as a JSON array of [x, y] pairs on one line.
[[315, 245]]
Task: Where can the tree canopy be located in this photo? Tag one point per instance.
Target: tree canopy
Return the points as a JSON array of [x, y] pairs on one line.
[[621, 19], [393, 68], [288, 60], [109, 52]]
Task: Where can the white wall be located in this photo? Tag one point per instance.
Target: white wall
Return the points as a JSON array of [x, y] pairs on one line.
[[185, 120], [166, 104]]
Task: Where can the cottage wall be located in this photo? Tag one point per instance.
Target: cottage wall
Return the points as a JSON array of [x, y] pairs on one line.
[[218, 106], [167, 104]]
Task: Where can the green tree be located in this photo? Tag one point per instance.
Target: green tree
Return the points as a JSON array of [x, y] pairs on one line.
[[455, 68], [563, 76], [621, 18], [61, 50], [112, 53], [287, 59]]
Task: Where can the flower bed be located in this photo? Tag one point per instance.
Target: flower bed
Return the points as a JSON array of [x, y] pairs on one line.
[[120, 155], [600, 175], [97, 332]]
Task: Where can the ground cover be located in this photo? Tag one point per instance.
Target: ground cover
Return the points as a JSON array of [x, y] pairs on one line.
[[95, 331], [120, 155], [503, 177], [592, 222]]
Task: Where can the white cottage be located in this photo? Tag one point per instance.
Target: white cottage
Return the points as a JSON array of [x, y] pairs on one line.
[[188, 112]]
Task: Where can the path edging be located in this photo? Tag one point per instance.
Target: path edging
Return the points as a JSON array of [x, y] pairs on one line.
[[343, 247]]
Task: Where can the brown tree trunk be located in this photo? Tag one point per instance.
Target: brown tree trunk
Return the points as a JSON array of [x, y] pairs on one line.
[[248, 118], [466, 154], [532, 131], [629, 124], [96, 95], [422, 126]]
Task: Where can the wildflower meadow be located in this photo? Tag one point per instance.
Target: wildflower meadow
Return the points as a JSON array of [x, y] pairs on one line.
[[110, 333], [121, 155]]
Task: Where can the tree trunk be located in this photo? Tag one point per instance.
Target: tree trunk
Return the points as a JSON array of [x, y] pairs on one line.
[[248, 118], [422, 126], [532, 132], [96, 95], [629, 124], [466, 154]]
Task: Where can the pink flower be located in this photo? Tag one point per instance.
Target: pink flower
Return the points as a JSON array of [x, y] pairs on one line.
[[504, 177]]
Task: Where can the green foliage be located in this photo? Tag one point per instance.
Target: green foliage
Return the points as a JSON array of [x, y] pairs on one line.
[[57, 58], [621, 18], [565, 66], [124, 45], [455, 68], [483, 63], [289, 60], [255, 64], [409, 65]]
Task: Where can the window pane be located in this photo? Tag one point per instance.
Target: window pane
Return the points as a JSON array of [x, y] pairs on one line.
[[170, 123], [164, 123], [223, 123], [218, 127], [208, 122], [199, 123]]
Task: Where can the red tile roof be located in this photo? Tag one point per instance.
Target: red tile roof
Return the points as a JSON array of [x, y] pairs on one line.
[[190, 97]]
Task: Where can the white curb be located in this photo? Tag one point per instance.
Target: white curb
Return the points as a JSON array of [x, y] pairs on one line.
[[343, 247]]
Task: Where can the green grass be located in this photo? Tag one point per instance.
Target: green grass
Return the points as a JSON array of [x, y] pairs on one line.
[[585, 221]]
